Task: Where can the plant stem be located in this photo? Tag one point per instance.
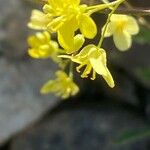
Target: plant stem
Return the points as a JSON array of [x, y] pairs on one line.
[[132, 11], [71, 70], [95, 8], [108, 19]]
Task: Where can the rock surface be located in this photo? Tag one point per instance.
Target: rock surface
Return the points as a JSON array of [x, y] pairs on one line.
[[20, 80], [13, 27], [83, 128], [20, 101]]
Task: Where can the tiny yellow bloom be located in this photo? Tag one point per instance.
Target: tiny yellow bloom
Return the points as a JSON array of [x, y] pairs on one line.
[[62, 86], [122, 27], [67, 17], [93, 59], [41, 46], [39, 20]]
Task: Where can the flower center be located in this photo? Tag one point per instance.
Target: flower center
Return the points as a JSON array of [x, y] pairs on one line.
[[120, 26]]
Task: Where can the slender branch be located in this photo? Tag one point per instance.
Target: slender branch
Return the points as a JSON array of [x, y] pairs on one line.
[[107, 21], [134, 11], [141, 18]]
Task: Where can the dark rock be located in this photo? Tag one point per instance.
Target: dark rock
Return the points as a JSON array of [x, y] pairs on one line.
[[82, 128], [124, 90], [148, 105]]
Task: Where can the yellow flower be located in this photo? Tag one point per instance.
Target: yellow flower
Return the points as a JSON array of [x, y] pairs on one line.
[[122, 27], [93, 59], [39, 20], [41, 46], [67, 17], [62, 86]]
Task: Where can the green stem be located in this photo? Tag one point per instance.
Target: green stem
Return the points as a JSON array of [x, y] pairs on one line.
[[134, 11], [106, 24], [71, 70], [95, 8]]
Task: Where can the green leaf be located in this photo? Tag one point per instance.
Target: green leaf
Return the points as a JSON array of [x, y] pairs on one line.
[[143, 37], [144, 73], [132, 135]]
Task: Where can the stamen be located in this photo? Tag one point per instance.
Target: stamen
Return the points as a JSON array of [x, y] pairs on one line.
[[93, 75], [86, 71]]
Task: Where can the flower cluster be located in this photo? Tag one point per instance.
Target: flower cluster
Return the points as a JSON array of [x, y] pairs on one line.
[[41, 46], [63, 86], [73, 24]]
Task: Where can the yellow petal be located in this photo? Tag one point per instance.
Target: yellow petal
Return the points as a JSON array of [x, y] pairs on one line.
[[63, 3], [109, 30], [78, 41], [60, 4], [48, 87], [61, 74], [132, 26], [66, 35], [47, 8], [56, 3], [55, 24], [122, 40], [118, 17], [66, 40], [97, 59], [109, 79], [42, 52], [43, 37], [84, 52], [75, 89], [98, 62], [33, 53], [75, 2], [87, 26], [39, 20], [32, 41]]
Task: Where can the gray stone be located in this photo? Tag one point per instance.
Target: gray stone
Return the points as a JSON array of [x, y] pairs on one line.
[[20, 101], [81, 128], [13, 27]]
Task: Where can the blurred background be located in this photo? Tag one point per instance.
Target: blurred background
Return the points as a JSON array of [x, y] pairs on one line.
[[98, 118]]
